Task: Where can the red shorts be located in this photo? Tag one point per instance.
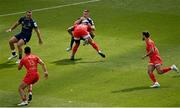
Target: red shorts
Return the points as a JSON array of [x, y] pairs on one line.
[[81, 34], [31, 78], [155, 62]]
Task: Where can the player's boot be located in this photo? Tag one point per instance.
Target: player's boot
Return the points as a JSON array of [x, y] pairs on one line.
[[29, 98], [18, 61], [23, 103], [101, 54], [155, 85], [72, 58], [12, 56], [174, 68], [68, 49]]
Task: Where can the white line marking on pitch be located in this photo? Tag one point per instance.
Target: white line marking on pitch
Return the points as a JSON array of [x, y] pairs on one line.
[[54, 7]]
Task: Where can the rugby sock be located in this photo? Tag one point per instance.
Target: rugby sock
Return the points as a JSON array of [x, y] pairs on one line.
[[72, 41], [13, 52], [94, 45], [75, 48], [20, 55], [167, 69], [152, 77]]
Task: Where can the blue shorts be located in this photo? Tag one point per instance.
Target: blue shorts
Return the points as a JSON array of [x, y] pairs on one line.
[[24, 36]]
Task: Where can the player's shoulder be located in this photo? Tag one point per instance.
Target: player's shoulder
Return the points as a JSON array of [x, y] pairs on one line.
[[89, 18], [22, 18], [33, 55], [151, 41]]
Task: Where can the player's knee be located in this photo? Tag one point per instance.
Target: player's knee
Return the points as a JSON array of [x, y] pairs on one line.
[[19, 45], [20, 88], [10, 41], [149, 72], [160, 72]]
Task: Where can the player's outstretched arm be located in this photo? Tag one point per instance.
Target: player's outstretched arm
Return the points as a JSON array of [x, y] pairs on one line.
[[20, 66], [13, 26], [44, 69], [38, 35]]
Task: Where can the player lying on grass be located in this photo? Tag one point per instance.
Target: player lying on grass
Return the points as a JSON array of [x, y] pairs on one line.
[[71, 29], [155, 60], [28, 24], [30, 62], [83, 31]]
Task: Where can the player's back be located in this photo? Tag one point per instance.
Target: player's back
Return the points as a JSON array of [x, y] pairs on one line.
[[81, 27], [30, 62]]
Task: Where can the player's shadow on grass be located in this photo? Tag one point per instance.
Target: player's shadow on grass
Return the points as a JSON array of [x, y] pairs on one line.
[[176, 76], [70, 62], [135, 89], [66, 61], [6, 65]]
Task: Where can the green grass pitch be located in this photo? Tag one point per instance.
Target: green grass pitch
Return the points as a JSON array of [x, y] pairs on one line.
[[120, 79]]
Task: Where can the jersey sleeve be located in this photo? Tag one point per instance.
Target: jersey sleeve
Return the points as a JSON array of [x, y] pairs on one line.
[[20, 20], [21, 63], [91, 21], [38, 60], [35, 24]]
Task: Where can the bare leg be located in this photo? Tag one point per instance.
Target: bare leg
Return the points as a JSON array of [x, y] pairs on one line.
[[151, 74], [161, 70], [22, 92], [11, 44], [19, 45]]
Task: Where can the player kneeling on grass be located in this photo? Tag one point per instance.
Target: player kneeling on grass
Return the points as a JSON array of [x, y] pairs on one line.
[[32, 76], [82, 31], [155, 60]]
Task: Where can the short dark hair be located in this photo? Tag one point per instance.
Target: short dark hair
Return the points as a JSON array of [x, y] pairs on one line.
[[27, 50], [29, 11], [146, 34], [86, 10]]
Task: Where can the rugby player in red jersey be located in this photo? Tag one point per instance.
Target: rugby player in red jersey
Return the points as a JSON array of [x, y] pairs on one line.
[[155, 60], [70, 30], [30, 62], [83, 31]]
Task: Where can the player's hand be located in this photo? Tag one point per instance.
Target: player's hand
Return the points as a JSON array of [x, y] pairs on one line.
[[82, 18], [8, 30], [143, 57], [46, 75]]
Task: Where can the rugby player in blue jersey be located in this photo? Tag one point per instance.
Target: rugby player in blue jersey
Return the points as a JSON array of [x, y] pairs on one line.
[[28, 24]]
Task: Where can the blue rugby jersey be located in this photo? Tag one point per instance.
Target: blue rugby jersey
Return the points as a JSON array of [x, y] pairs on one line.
[[27, 25]]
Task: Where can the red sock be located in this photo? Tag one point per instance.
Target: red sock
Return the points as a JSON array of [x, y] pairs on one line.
[[152, 77], [94, 45], [167, 69], [75, 48]]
